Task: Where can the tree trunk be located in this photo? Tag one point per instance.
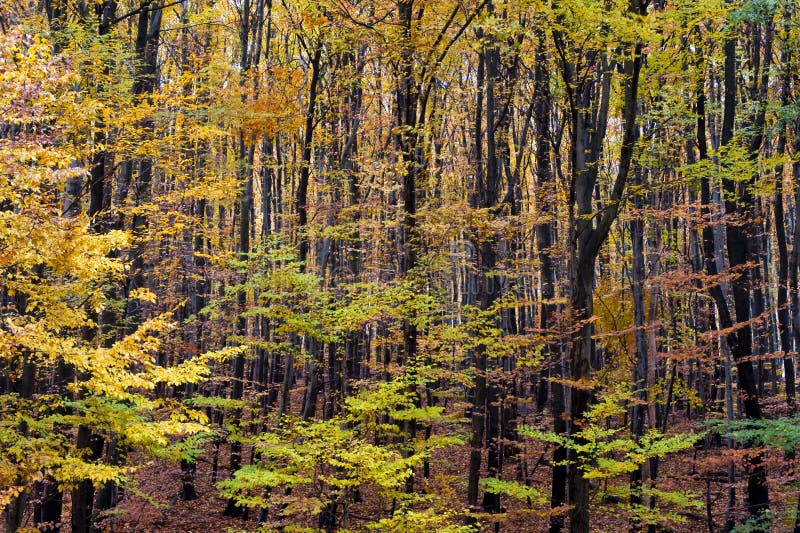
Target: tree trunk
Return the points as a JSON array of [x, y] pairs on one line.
[[641, 369], [587, 239], [249, 37], [739, 200], [546, 187], [301, 205]]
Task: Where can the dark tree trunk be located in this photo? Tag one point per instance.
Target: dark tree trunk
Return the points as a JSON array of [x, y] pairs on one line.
[[587, 238], [739, 233], [249, 40], [99, 199], [47, 513], [406, 113], [784, 313], [641, 369], [479, 391], [546, 187], [301, 205]]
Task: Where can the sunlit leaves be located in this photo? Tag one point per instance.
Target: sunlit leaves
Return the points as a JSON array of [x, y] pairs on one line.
[[607, 451], [407, 520], [55, 271], [513, 489], [338, 455]]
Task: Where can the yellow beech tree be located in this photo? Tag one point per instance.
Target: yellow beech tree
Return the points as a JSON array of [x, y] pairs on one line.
[[57, 375]]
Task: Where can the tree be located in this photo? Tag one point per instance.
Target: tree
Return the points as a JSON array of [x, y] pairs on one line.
[[587, 80]]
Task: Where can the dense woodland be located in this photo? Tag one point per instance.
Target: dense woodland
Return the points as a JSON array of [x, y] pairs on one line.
[[408, 266]]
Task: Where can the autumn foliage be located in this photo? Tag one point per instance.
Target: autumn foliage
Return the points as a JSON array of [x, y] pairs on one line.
[[400, 266]]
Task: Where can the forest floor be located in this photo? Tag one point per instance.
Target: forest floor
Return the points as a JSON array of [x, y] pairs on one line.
[[155, 505]]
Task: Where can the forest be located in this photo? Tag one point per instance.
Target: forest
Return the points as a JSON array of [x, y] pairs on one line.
[[405, 266]]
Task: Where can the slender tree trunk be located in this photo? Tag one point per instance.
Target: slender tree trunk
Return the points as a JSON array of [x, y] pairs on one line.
[[301, 205], [784, 317], [545, 184], [250, 42], [99, 189], [479, 391], [406, 138], [641, 370], [739, 200], [15, 511]]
